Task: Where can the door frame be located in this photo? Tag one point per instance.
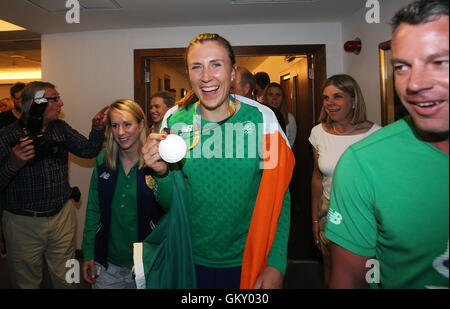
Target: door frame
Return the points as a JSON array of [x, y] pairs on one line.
[[318, 51]]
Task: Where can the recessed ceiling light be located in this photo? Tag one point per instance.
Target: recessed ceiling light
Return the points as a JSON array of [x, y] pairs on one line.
[[6, 26], [20, 75], [267, 1]]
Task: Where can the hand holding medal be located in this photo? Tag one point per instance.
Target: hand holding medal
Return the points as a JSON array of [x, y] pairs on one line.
[[172, 149], [161, 149]]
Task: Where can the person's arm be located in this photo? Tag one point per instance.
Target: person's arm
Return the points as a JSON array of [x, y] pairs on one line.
[[160, 169], [90, 227], [292, 129], [316, 193], [99, 120], [271, 277], [163, 191], [352, 223], [14, 154], [89, 271], [80, 145], [15, 161], [348, 270]]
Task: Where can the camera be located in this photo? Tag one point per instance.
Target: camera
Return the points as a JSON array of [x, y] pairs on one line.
[[32, 124]]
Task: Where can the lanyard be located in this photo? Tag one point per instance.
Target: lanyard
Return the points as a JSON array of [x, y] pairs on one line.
[[198, 131]]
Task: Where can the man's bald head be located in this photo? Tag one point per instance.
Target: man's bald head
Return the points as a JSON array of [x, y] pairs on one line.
[[244, 83]]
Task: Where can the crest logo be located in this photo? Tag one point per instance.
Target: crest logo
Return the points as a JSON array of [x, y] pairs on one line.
[[248, 127], [150, 181], [440, 264], [104, 175]]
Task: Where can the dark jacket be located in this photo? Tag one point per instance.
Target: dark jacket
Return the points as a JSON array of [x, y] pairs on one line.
[[149, 211]]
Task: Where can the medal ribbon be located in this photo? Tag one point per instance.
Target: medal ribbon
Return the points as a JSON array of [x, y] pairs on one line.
[[198, 120]]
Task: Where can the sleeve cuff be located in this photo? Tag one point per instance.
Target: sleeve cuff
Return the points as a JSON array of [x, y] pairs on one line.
[[281, 265], [10, 171], [347, 245], [88, 254]]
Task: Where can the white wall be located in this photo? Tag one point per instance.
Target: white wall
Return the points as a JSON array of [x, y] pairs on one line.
[[365, 66], [92, 69]]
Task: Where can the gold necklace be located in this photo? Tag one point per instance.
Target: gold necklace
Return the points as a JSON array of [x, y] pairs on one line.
[[344, 133]]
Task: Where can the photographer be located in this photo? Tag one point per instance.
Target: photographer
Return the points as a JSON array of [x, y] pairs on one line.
[[40, 219]]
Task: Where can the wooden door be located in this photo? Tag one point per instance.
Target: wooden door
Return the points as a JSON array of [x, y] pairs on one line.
[[298, 87]]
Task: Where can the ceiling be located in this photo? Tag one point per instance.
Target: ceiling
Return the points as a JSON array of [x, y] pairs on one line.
[[49, 16]]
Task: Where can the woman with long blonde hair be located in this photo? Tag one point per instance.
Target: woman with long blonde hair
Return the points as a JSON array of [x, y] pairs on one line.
[[121, 206], [275, 97]]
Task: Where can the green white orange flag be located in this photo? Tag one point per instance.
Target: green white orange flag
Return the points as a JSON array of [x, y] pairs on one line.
[[278, 164], [164, 259]]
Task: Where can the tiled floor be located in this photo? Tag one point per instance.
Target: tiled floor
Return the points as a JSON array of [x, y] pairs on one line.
[[299, 275]]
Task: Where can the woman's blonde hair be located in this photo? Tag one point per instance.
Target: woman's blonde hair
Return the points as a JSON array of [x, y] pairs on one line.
[[283, 105], [112, 148], [348, 85]]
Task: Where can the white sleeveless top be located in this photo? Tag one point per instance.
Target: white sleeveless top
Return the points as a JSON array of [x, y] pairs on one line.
[[330, 148]]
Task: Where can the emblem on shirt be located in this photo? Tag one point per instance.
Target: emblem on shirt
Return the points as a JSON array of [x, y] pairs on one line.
[[149, 181], [248, 127], [440, 264], [334, 216], [105, 175], [187, 129]]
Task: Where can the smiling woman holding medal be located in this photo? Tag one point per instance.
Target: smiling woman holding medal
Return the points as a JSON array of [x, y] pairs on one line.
[[121, 206], [236, 170]]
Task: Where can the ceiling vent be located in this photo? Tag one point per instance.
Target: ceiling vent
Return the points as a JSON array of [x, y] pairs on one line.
[[58, 6]]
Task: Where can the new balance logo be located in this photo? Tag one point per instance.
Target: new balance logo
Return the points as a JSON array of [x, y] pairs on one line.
[[104, 175], [334, 217]]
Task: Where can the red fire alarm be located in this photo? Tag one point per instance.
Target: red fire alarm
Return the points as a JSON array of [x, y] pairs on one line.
[[353, 46]]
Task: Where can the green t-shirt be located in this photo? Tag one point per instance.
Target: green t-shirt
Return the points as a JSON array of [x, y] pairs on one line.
[[223, 174], [390, 201], [124, 222]]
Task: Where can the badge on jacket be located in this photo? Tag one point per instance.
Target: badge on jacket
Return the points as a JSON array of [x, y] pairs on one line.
[[150, 181]]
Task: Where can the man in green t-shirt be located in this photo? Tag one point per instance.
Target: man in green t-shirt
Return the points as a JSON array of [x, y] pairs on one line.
[[389, 209]]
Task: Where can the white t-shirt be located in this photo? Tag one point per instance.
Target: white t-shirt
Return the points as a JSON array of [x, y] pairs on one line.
[[330, 148], [291, 130]]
